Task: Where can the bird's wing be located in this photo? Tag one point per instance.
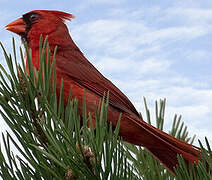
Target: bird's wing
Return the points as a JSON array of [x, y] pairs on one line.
[[76, 66]]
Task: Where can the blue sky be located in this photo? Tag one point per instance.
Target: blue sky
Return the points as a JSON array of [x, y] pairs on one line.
[[147, 48]]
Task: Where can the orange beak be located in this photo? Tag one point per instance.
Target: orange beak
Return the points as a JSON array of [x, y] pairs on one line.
[[18, 26]]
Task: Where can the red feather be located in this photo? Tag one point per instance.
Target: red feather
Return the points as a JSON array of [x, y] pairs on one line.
[[78, 73]]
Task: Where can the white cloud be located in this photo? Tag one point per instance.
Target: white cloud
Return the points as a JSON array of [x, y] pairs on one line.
[[128, 37], [199, 55], [174, 33], [178, 95], [101, 32], [112, 65], [133, 51], [201, 133], [131, 47], [194, 106], [195, 117], [183, 97], [194, 15]]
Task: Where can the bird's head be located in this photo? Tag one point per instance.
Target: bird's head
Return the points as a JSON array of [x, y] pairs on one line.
[[46, 22]]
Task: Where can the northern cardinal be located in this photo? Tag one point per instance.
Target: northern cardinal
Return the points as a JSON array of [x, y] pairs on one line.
[[77, 72]]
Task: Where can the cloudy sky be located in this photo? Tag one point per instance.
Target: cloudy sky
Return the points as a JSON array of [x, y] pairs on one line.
[[147, 48]]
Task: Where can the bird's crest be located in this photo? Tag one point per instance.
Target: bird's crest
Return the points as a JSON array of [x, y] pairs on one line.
[[63, 15]]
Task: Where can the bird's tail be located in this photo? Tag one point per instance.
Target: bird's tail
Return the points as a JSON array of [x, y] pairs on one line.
[[161, 145]]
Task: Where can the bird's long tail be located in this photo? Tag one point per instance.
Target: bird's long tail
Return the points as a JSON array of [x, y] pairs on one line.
[[161, 145]]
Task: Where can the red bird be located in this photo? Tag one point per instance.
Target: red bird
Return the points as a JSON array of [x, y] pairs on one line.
[[76, 71]]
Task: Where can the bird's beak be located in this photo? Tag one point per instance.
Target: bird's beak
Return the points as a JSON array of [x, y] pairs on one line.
[[18, 26]]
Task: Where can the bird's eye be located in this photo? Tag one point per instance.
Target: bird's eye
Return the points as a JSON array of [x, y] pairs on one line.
[[33, 17]]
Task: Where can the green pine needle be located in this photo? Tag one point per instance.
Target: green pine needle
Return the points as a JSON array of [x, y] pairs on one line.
[[54, 144]]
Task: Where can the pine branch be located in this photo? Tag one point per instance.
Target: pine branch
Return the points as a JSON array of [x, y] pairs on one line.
[[53, 143]]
